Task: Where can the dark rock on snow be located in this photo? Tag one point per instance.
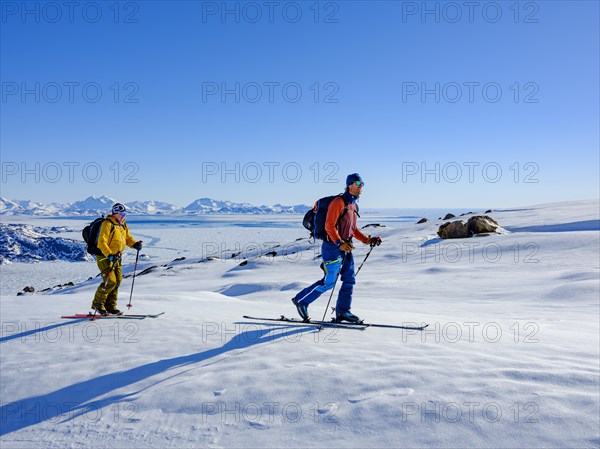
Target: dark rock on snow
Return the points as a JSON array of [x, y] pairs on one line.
[[374, 225], [453, 230], [482, 223], [477, 225]]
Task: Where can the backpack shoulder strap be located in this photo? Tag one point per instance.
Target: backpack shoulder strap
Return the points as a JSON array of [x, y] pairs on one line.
[[112, 225], [344, 210], [112, 231], [346, 203]]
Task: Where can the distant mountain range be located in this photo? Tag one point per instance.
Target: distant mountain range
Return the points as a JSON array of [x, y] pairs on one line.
[[93, 205]]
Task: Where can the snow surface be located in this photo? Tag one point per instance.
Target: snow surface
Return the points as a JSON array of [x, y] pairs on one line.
[[26, 243], [510, 358]]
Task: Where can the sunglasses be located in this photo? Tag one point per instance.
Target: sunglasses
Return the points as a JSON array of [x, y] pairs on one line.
[[359, 183]]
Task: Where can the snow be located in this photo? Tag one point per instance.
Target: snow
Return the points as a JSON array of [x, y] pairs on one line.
[[26, 243], [510, 358]]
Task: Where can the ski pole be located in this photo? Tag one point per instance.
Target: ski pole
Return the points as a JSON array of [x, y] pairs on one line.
[[364, 260], [332, 290], [107, 273], [133, 280], [108, 270]]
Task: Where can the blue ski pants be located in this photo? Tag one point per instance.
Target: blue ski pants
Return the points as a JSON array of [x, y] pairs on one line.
[[334, 261]]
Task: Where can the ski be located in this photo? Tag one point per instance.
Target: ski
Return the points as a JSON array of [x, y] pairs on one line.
[[97, 316], [360, 325], [284, 319], [121, 316], [390, 326], [149, 315]]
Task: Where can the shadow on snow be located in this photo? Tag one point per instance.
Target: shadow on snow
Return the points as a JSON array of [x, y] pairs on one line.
[[80, 396], [41, 329]]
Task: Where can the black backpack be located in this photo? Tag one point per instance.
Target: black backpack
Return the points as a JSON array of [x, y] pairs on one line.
[[314, 219], [91, 233]]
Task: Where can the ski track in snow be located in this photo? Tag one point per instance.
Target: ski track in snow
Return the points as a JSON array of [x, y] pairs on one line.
[[511, 357]]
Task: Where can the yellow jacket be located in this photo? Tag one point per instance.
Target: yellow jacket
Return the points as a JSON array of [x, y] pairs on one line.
[[114, 236]]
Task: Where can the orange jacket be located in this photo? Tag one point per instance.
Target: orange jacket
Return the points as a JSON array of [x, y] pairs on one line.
[[333, 215]]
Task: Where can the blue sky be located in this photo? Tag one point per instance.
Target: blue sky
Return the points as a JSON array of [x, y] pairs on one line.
[[433, 103]]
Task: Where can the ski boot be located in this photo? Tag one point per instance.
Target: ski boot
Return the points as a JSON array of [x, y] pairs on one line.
[[302, 310], [347, 316]]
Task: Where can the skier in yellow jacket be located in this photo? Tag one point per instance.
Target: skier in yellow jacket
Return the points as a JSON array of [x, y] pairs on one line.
[[113, 238]]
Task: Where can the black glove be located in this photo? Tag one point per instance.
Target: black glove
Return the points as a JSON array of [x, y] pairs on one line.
[[374, 241], [138, 245], [112, 258]]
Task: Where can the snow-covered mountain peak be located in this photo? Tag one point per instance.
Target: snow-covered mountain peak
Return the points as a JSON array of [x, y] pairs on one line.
[[98, 205]]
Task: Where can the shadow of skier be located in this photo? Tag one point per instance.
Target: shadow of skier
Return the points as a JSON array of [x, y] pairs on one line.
[[38, 330], [80, 396]]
